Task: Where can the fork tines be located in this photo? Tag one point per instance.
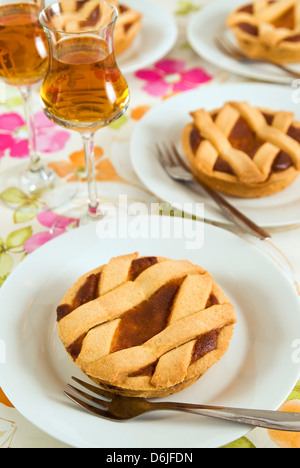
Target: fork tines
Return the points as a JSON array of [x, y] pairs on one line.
[[174, 157], [101, 409]]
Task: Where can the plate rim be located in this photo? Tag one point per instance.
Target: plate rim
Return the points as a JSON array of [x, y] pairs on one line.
[[81, 231]]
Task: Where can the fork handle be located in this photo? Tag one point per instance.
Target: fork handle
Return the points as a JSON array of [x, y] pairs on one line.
[[278, 420], [232, 213], [288, 70]]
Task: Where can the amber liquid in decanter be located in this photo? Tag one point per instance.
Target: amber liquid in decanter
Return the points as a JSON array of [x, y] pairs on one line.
[[23, 45], [84, 87]]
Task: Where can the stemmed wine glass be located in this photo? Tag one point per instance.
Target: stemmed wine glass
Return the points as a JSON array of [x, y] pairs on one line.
[[83, 90], [23, 63]]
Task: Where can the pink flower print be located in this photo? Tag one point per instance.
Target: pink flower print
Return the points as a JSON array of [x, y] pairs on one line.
[[170, 76], [56, 224], [13, 135], [50, 138]]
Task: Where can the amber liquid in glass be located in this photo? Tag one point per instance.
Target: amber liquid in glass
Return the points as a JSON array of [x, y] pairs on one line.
[[23, 45], [84, 88]]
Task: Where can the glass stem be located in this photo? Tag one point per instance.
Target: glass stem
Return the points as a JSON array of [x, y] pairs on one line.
[[93, 198], [35, 160]]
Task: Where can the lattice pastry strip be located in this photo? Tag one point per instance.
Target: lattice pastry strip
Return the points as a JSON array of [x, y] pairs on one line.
[[243, 150], [155, 330], [194, 294], [268, 29], [115, 368], [127, 28], [243, 167], [118, 301]]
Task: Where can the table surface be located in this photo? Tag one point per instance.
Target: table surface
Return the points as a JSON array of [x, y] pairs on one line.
[[115, 176]]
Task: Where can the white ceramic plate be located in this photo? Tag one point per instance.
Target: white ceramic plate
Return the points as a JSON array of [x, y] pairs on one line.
[[257, 372], [201, 33], [156, 38], [165, 122]]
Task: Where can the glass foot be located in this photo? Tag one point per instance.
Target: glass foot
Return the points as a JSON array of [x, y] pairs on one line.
[[75, 217], [37, 190]]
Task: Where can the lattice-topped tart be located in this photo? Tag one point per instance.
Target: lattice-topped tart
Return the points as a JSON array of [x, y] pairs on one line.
[[79, 14], [243, 150], [268, 29], [146, 326]]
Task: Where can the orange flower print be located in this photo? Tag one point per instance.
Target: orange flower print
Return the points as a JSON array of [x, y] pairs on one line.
[[4, 400], [139, 112], [285, 439], [75, 167]]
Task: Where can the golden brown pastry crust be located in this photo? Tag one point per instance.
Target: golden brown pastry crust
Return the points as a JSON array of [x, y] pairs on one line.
[[268, 30], [128, 26], [243, 150], [150, 326]]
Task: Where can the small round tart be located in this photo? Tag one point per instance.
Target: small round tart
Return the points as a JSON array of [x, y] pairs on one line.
[[75, 14], [242, 150], [145, 326], [128, 26], [268, 29]]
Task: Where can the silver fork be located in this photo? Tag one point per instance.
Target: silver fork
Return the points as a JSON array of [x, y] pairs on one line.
[[178, 170], [119, 408], [225, 45]]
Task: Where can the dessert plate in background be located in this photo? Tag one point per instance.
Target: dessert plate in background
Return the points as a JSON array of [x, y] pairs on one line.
[[165, 123], [258, 370], [156, 38], [210, 21]]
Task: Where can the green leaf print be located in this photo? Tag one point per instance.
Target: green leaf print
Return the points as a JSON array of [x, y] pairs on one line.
[[243, 442], [10, 247], [26, 206], [295, 395], [18, 238], [184, 7], [6, 265], [26, 212], [119, 123], [14, 195], [13, 102]]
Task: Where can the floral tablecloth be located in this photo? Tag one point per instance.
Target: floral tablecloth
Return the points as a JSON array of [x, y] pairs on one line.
[[22, 233]]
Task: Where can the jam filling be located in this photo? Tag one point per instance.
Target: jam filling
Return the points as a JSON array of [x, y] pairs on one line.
[[205, 344], [145, 371], [244, 139], [147, 319], [139, 265], [88, 292], [92, 19], [123, 9], [63, 311], [246, 9], [248, 28], [295, 38], [75, 348], [212, 300]]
